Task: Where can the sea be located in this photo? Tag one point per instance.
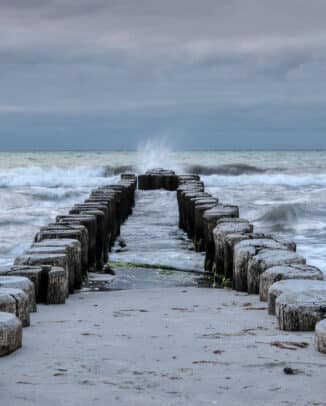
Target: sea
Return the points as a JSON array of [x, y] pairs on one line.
[[280, 192]]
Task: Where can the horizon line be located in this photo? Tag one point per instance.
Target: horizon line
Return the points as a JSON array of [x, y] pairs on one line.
[[101, 150]]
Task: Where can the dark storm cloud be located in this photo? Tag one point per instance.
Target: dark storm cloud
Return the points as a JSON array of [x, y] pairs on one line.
[[182, 60]]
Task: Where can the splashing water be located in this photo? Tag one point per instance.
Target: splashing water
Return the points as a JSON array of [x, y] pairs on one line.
[[156, 153]]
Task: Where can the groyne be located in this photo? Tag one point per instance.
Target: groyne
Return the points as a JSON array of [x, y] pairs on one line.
[[61, 256], [63, 252]]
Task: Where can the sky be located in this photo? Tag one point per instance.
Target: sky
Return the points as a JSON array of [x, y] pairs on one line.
[[109, 74]]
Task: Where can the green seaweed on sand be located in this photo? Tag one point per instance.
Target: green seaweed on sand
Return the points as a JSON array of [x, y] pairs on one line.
[[161, 267], [165, 272], [226, 282]]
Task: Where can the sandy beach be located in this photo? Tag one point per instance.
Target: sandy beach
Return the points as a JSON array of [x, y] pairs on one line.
[[176, 346]]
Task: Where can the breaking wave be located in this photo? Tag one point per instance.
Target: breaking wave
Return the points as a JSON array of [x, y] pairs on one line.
[[53, 177], [53, 194], [228, 169], [118, 170], [289, 180], [282, 214], [12, 221]]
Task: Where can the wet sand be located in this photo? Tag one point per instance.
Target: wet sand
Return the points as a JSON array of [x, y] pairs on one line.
[[176, 346]]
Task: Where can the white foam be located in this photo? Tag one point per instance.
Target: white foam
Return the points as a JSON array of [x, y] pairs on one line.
[[266, 179], [33, 196], [54, 177]]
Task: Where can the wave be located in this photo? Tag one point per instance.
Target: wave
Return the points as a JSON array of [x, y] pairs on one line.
[[283, 214], [118, 170], [54, 177], [12, 221], [288, 180], [227, 169], [53, 194]]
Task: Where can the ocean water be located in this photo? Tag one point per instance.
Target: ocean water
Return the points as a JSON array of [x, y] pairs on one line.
[[280, 192]]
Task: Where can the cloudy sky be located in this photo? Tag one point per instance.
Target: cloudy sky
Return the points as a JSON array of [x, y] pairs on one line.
[[80, 74]]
